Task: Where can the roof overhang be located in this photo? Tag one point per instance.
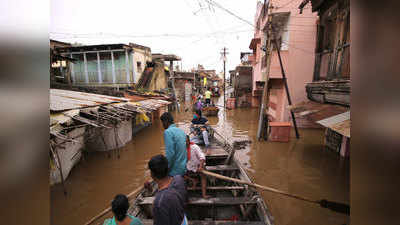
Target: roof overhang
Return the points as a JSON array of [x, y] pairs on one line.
[[169, 57], [87, 48]]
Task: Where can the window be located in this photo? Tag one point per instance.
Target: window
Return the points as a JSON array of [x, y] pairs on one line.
[[139, 67]]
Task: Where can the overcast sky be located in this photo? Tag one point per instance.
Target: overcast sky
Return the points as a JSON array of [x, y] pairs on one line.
[[191, 29]]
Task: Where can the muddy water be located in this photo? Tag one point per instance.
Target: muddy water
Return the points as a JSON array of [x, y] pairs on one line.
[[301, 167]]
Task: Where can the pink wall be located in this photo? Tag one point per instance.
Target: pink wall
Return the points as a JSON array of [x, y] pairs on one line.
[[298, 60], [261, 21]]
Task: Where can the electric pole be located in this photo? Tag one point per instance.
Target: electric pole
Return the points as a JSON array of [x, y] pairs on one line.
[[224, 59]]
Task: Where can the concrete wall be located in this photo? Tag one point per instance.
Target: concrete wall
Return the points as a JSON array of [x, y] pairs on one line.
[[159, 79], [183, 89], [142, 56]]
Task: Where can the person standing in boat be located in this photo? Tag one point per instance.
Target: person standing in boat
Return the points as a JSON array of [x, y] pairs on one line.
[[170, 199], [195, 164], [207, 95], [119, 207], [175, 145]]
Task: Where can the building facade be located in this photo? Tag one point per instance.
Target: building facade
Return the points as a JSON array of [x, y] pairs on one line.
[[101, 65], [59, 65], [295, 36], [331, 76], [106, 65], [141, 55]]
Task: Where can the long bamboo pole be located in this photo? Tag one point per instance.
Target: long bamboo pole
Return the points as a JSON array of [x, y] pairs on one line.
[[334, 206], [133, 193], [208, 173]]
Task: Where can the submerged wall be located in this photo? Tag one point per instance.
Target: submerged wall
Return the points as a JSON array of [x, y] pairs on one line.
[[69, 152], [104, 139]]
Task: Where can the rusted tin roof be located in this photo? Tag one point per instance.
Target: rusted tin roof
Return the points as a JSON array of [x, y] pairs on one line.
[[62, 100], [153, 104], [339, 123]]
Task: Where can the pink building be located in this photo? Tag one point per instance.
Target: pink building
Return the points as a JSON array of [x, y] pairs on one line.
[[296, 34]]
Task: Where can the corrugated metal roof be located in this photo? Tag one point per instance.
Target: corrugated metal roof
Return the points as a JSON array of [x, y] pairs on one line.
[[153, 104], [62, 100], [339, 123]]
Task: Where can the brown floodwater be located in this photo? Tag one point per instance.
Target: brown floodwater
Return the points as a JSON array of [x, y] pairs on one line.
[[300, 167]]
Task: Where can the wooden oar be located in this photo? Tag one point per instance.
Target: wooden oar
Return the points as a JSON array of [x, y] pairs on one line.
[[335, 206], [109, 208]]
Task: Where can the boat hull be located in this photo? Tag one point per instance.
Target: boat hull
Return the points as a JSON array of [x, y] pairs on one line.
[[230, 203]]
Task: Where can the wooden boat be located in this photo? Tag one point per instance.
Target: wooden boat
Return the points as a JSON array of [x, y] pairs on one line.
[[210, 111], [230, 203]]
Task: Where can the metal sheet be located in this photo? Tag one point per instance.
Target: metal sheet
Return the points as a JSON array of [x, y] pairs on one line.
[[62, 100], [314, 111], [339, 123], [327, 122], [153, 104]]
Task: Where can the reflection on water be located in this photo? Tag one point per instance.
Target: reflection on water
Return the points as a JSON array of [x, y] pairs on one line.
[[301, 167]]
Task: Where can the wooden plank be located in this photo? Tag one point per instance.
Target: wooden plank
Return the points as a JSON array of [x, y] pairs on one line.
[[229, 188], [216, 152], [210, 201], [218, 222], [221, 168]]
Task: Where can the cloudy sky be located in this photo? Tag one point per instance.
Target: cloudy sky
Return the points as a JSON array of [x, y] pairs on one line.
[[192, 29]]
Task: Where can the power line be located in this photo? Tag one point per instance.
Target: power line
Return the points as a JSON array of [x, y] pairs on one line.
[[228, 11], [90, 35]]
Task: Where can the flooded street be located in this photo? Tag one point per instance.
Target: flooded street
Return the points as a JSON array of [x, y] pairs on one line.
[[300, 167]]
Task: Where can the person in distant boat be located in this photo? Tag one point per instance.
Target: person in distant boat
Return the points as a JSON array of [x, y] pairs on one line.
[[207, 96], [199, 129], [198, 104], [171, 197], [195, 164], [175, 145], [119, 207]]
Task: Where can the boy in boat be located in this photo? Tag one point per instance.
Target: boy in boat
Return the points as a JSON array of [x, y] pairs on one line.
[[195, 164], [175, 145], [168, 205], [119, 207]]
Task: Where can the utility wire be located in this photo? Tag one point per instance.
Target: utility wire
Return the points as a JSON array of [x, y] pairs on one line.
[[74, 35], [228, 11]]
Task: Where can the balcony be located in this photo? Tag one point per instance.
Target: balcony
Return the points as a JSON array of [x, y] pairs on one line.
[[336, 91]]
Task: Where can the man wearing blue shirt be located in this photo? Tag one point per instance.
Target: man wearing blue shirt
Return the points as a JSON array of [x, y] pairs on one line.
[[175, 145]]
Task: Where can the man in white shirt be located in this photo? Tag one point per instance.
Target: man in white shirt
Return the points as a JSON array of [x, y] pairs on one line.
[[195, 164]]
